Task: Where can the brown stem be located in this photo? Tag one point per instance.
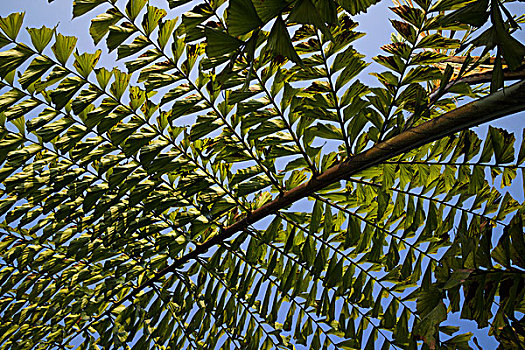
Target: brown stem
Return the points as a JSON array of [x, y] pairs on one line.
[[480, 78], [486, 77], [497, 105], [462, 59]]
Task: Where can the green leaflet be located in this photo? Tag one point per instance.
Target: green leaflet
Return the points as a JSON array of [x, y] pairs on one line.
[[103, 77], [152, 18], [325, 131], [500, 144], [21, 109], [81, 7], [9, 98], [267, 10], [353, 67], [100, 25], [65, 91], [110, 120], [220, 43], [40, 37], [95, 116], [280, 43], [305, 12], [355, 7], [4, 40], [420, 74], [139, 43], [133, 8], [242, 17], [84, 99], [52, 130], [120, 83], [11, 59], [437, 41], [137, 97], [165, 31], [428, 326], [19, 157], [63, 47], [512, 50], [253, 185], [192, 21], [74, 134], [186, 106], [57, 74], [204, 126], [122, 131], [85, 63], [46, 116], [176, 3], [475, 13], [11, 24], [118, 34], [35, 71], [144, 60], [92, 196]]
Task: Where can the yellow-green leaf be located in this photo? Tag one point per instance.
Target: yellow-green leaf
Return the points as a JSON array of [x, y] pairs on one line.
[[11, 24], [63, 47]]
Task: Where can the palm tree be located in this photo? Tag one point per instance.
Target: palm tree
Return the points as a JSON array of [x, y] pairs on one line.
[[238, 186]]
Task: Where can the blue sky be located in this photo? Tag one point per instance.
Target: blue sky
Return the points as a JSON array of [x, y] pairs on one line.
[[39, 12]]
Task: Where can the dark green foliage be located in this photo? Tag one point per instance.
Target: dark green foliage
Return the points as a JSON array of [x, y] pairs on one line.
[[128, 197]]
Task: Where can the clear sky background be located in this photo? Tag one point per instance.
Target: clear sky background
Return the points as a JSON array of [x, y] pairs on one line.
[[375, 24]]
